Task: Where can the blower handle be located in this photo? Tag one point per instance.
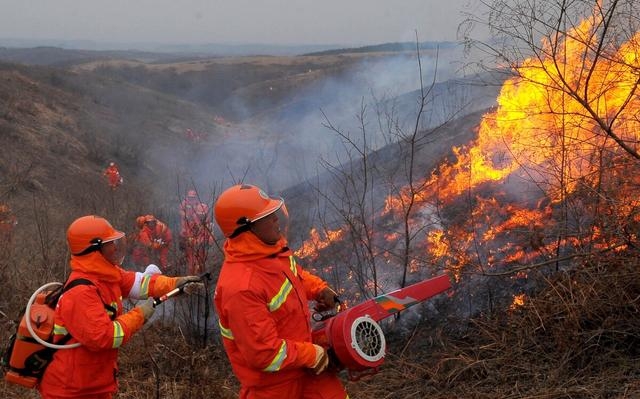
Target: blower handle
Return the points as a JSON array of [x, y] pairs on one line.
[[321, 316]]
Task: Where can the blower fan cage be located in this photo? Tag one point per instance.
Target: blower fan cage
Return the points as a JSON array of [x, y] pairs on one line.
[[367, 339]]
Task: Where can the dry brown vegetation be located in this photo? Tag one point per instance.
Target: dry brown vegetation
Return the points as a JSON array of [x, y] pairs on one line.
[[576, 336]]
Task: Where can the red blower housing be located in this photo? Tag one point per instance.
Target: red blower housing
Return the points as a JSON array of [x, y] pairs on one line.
[[354, 338]]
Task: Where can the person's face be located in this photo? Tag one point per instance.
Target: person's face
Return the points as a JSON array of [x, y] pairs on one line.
[[267, 229], [114, 251]]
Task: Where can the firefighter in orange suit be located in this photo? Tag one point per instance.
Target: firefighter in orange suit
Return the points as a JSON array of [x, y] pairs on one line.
[[261, 300], [139, 254], [152, 243], [113, 175], [93, 314], [195, 231]]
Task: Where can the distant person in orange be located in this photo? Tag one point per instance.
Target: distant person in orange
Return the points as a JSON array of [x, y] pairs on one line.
[[113, 175], [192, 136], [139, 253], [7, 223], [152, 243], [195, 231]]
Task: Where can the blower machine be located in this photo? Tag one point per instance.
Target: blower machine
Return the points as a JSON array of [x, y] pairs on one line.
[[354, 339]]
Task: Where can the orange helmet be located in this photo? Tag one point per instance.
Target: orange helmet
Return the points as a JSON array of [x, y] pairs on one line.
[[241, 205], [88, 233], [140, 221], [149, 219]]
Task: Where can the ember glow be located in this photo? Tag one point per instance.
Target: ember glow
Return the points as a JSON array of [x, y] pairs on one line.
[[518, 301]]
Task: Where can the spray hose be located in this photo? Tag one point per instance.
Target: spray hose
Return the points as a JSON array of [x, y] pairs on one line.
[[156, 302]]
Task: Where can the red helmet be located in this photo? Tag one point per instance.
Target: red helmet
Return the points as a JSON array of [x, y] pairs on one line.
[[88, 233], [241, 205]]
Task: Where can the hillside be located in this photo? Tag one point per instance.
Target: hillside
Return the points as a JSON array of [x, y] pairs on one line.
[[277, 101], [523, 320], [386, 47], [60, 129]]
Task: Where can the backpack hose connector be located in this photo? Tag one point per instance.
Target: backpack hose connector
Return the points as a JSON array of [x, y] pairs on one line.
[[29, 350], [28, 320]]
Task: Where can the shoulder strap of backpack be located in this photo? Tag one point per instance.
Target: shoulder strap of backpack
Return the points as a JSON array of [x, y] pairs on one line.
[[67, 287], [75, 283], [83, 281]]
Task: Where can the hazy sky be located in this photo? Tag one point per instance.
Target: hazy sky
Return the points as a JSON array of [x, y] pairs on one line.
[[232, 21]]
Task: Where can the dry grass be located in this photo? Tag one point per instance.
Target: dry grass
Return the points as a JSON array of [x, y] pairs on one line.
[[579, 338], [161, 363]]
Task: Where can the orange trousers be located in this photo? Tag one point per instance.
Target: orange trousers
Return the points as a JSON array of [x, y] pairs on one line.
[[324, 386], [97, 396]]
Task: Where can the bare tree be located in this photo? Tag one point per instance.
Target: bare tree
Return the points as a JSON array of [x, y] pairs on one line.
[[415, 184], [351, 199], [366, 180]]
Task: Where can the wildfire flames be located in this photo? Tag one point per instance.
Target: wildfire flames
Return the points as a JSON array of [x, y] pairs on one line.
[[317, 242], [518, 300], [543, 151]]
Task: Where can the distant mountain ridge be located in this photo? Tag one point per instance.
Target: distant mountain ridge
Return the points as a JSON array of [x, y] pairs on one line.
[[388, 47], [204, 49], [65, 53]]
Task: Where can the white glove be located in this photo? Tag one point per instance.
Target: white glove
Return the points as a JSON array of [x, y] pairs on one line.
[[151, 270]]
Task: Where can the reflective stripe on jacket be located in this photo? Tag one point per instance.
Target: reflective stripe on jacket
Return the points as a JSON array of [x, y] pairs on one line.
[[91, 368], [264, 317]]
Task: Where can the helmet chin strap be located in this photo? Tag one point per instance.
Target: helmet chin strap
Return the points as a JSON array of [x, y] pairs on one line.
[[244, 225], [96, 245]]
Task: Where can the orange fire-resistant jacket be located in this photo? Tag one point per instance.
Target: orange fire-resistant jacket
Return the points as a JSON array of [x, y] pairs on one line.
[[90, 370], [156, 238], [261, 299], [113, 175], [195, 218]]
